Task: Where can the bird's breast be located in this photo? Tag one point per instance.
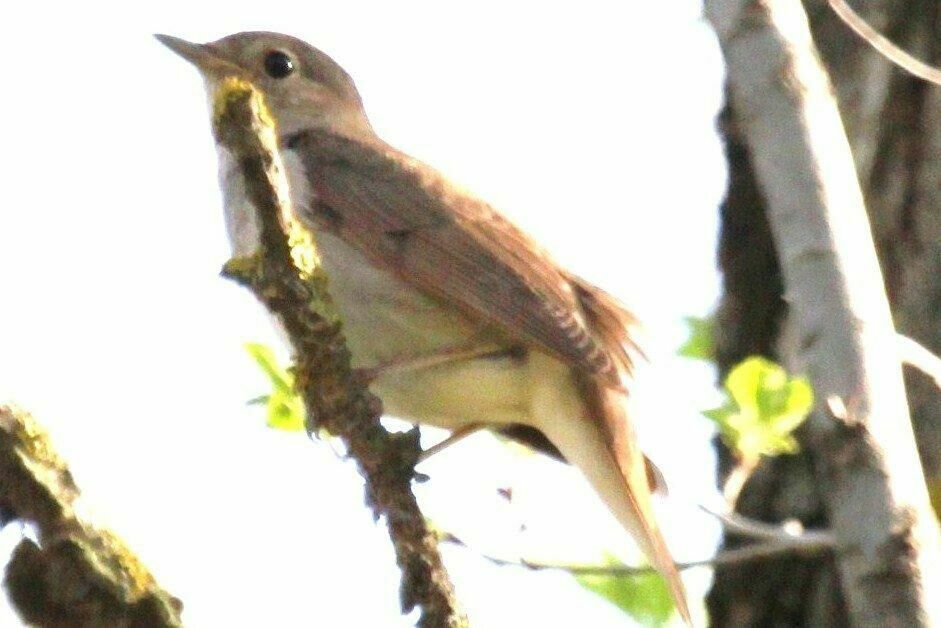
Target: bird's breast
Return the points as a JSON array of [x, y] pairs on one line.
[[384, 317]]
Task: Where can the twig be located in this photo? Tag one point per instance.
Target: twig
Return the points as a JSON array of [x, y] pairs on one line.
[[286, 276], [791, 532], [726, 557], [775, 539], [78, 574], [736, 480], [883, 45], [917, 355]]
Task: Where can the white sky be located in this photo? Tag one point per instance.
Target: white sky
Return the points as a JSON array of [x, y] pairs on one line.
[[591, 126]]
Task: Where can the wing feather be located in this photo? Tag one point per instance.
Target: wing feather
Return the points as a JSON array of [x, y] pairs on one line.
[[406, 217]]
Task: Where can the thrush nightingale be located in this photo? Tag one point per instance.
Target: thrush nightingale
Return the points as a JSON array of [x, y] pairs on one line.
[[461, 318]]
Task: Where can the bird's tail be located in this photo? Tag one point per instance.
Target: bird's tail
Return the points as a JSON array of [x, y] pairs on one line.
[[635, 510], [619, 472], [604, 448]]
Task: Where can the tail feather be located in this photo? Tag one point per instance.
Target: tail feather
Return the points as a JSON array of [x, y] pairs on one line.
[[625, 482], [603, 447], [635, 510]]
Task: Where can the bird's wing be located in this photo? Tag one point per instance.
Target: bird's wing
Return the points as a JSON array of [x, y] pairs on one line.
[[406, 217]]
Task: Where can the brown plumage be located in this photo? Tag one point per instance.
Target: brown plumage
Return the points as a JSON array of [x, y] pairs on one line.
[[419, 267], [408, 219]]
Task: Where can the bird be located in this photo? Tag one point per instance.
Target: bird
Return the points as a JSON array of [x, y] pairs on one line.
[[459, 317]]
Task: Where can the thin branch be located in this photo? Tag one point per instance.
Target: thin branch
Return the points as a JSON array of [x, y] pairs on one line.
[[790, 532], [883, 45], [736, 479], [78, 574], [286, 276], [914, 354], [776, 539], [748, 553]]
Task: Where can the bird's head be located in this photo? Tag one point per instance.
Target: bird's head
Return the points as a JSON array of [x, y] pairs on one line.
[[303, 87]]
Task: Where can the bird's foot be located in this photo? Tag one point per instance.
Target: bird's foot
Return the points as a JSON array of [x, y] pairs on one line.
[[453, 438]]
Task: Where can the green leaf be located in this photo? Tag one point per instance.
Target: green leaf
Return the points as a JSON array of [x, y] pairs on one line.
[[280, 377], [701, 343], [286, 412], [763, 408], [645, 597], [285, 407]]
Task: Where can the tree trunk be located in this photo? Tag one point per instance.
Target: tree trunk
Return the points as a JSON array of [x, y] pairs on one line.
[[895, 132]]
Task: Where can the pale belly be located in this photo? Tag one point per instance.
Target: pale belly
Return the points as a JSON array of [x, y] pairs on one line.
[[384, 320]]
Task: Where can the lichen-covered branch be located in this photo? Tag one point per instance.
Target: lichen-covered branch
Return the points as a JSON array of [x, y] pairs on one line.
[[78, 575], [840, 330], [285, 275]]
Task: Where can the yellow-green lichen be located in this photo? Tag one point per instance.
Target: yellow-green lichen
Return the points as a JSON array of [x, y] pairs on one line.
[[242, 267], [233, 89], [122, 564], [33, 440], [304, 253]]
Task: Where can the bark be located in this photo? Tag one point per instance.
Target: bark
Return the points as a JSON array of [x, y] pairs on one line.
[[789, 161], [894, 129], [78, 574]]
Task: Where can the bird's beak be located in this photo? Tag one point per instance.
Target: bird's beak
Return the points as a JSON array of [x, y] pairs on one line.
[[201, 55]]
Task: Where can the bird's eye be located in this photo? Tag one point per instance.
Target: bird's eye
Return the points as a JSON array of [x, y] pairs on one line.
[[278, 64]]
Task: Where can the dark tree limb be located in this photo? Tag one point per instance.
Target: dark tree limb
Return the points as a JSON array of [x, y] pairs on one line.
[[285, 275], [78, 574], [863, 462]]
